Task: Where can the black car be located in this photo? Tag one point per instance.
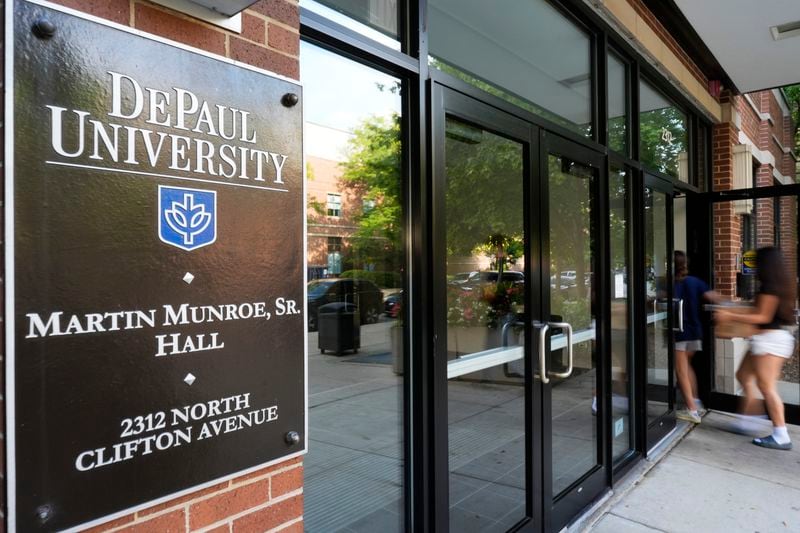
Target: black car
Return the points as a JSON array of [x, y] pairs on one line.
[[364, 294]]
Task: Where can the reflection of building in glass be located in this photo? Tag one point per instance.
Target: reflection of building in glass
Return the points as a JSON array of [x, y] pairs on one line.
[[331, 207]]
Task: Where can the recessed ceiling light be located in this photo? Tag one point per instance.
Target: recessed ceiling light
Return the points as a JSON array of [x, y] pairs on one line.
[[784, 31]]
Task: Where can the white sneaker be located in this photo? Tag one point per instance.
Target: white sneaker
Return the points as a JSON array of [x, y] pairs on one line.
[[689, 416], [701, 409]]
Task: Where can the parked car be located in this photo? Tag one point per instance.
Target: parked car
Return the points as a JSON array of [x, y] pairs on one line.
[[490, 276], [364, 294], [392, 304], [461, 278]]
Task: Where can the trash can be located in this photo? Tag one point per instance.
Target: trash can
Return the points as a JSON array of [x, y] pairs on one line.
[[339, 328]]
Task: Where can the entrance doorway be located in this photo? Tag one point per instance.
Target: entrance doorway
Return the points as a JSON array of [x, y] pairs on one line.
[[744, 221], [519, 328]]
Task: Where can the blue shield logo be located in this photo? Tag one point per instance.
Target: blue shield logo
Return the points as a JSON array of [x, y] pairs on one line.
[[187, 218]]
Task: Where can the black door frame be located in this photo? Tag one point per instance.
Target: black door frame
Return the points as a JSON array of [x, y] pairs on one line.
[[444, 102], [564, 507], [719, 400], [544, 512], [656, 431]]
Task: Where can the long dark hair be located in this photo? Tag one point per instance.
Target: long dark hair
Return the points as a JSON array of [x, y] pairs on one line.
[[681, 265], [771, 272]]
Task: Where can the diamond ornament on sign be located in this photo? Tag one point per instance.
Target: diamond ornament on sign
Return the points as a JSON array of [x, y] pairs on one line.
[[189, 379], [188, 278]]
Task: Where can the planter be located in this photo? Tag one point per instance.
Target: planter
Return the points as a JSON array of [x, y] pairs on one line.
[[464, 340]]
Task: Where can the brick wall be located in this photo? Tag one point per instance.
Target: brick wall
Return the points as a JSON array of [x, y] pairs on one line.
[[750, 119], [788, 238], [667, 38], [270, 499], [727, 225], [270, 38]]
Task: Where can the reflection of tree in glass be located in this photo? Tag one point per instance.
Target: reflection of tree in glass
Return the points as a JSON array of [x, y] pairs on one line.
[[571, 240], [617, 140], [372, 172], [484, 192], [617, 195], [504, 250], [655, 151]]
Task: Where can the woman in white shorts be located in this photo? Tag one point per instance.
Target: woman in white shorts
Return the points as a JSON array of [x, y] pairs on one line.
[[771, 347]]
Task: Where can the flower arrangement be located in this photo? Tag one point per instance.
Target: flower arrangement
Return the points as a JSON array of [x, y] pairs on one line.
[[486, 305]]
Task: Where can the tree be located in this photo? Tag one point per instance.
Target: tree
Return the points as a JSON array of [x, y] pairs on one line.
[[372, 170], [662, 139], [484, 191]]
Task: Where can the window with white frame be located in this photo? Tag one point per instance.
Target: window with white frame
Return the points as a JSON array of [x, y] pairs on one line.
[[334, 205]]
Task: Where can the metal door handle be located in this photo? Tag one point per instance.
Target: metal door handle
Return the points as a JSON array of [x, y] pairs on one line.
[[568, 327], [507, 327], [680, 313], [542, 349]]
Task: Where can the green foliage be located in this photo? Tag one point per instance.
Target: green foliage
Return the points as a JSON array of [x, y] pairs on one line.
[[654, 150], [372, 170], [484, 190], [384, 280], [793, 96]]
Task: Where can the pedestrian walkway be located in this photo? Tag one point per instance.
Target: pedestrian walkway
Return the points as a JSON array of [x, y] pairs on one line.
[[711, 481]]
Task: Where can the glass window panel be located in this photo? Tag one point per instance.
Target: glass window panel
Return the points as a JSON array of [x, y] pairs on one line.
[[657, 276], [354, 467], [663, 134], [376, 19], [619, 222], [617, 104], [485, 328], [572, 194], [526, 52]]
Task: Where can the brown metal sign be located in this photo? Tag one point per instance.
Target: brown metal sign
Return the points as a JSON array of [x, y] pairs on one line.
[[155, 269]]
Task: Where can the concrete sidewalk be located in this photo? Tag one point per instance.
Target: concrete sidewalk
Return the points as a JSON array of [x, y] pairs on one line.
[[711, 481]]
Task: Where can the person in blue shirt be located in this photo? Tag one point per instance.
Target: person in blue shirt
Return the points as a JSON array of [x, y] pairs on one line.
[[690, 291]]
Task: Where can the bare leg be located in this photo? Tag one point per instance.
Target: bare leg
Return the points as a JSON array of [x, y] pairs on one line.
[[686, 377], [768, 368], [746, 374]]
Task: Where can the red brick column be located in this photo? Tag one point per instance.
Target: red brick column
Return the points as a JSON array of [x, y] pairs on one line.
[[270, 499], [727, 225], [765, 209], [788, 239]]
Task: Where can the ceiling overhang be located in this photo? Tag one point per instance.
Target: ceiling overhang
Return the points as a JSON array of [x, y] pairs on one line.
[[739, 33]]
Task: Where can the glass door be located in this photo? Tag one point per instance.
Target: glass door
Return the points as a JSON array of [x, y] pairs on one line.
[[573, 388], [487, 467], [658, 238], [518, 332]]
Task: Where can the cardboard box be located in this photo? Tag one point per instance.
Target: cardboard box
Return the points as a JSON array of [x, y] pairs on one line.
[[732, 330]]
